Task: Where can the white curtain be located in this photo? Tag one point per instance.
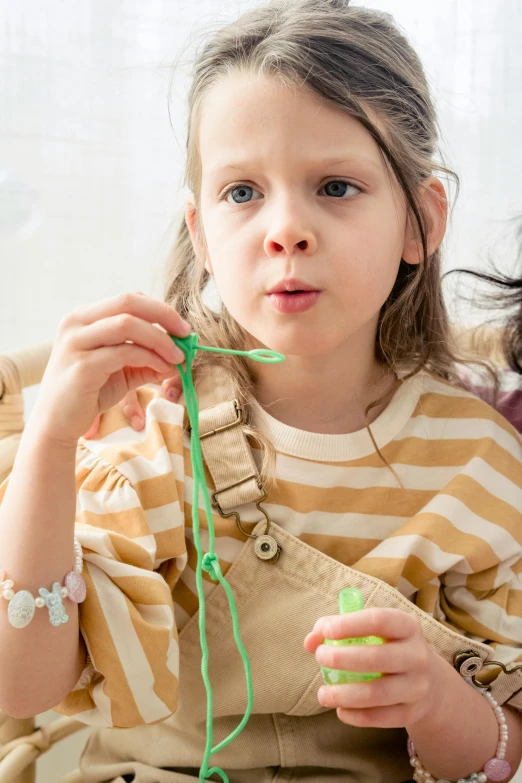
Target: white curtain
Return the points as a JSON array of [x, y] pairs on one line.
[[90, 167]]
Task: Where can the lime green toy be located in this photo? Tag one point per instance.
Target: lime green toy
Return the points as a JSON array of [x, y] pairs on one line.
[[209, 561], [350, 600]]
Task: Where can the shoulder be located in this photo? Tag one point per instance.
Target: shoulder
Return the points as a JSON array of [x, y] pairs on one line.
[[452, 412]]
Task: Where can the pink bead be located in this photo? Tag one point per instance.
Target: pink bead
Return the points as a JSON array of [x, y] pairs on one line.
[[77, 588], [497, 769], [411, 747]]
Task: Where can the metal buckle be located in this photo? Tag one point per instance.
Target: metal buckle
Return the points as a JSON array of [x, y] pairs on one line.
[[239, 419], [460, 660], [215, 504]]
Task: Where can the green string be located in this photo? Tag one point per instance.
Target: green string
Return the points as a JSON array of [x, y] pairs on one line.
[[209, 562]]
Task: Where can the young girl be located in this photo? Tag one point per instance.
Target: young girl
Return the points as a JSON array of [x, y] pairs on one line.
[[310, 156]]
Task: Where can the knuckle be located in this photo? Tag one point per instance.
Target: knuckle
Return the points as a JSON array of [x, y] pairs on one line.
[[126, 300], [124, 322]]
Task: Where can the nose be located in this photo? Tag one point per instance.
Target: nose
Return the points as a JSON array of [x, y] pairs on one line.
[[289, 237]]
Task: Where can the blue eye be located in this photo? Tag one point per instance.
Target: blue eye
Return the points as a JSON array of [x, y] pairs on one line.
[[339, 188], [244, 192]]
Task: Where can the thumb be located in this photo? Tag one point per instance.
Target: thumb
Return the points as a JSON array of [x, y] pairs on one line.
[[132, 410]]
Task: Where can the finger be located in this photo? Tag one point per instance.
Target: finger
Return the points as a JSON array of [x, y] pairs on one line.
[[380, 717], [93, 428], [119, 329], [389, 658], [139, 305], [111, 359], [387, 691], [386, 623], [133, 411], [172, 388]]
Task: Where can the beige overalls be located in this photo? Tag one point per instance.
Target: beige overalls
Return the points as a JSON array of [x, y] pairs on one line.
[[290, 736]]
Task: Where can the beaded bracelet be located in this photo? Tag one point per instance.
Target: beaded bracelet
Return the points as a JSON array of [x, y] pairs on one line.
[[22, 605], [496, 769]]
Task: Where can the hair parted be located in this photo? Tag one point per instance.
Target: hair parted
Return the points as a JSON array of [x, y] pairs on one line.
[[359, 61]]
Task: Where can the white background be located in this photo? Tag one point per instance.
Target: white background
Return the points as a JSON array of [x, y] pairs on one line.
[[90, 166]]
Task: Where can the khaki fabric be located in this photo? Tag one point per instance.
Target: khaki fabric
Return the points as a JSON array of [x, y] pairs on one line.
[[290, 736]]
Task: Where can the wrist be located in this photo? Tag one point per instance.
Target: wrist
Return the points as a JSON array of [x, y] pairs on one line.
[[445, 681], [37, 435]]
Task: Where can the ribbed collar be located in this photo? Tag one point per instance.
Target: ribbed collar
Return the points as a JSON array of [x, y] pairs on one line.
[[352, 445]]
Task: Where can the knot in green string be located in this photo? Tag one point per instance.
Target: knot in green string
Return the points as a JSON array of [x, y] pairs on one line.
[[209, 562]]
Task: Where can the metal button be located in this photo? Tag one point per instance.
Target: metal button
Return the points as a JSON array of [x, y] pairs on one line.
[[468, 664], [267, 548]]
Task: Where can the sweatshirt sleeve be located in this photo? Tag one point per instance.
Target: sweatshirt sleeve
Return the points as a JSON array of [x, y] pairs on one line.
[[129, 521]]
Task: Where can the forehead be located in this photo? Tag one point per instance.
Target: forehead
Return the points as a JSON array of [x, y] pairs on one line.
[[247, 117]]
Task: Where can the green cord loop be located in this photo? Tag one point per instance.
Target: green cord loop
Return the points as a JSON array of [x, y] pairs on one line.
[[209, 562]]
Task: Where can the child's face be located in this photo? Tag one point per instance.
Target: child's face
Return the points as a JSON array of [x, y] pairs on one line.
[[291, 213]]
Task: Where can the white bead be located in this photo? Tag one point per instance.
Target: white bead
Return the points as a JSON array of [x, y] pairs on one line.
[[40, 602], [502, 745], [8, 594], [414, 761], [8, 584], [502, 720], [64, 592], [482, 778], [501, 754]]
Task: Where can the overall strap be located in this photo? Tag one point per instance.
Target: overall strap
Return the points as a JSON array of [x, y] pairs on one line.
[[229, 459], [225, 447]]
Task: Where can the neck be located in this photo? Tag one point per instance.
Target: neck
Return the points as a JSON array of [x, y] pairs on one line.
[[327, 394]]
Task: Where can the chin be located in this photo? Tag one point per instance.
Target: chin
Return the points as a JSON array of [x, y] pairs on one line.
[[295, 342]]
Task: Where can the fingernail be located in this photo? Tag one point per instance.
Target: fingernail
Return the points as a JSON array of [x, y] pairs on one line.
[[172, 394], [186, 328], [137, 423]]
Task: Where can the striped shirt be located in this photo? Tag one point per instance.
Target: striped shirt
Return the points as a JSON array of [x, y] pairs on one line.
[[449, 538]]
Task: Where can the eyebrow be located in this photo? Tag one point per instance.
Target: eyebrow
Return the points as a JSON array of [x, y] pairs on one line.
[[242, 165]]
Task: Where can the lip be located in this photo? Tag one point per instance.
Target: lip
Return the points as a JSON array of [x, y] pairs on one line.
[[286, 302], [291, 284]]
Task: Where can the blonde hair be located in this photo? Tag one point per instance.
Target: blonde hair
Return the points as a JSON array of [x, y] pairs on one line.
[[357, 60]]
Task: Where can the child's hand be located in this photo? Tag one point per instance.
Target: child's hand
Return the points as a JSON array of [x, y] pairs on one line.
[[411, 670], [170, 389], [102, 352]]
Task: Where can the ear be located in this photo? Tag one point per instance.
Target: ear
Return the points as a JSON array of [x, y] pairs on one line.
[[435, 206], [192, 225]]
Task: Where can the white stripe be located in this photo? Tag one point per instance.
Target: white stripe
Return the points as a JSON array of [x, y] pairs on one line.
[[139, 675], [121, 498], [96, 540], [495, 483], [406, 588], [500, 540], [438, 387], [115, 568], [487, 613], [226, 547], [434, 558], [177, 464], [139, 468], [148, 544], [429, 428], [315, 474], [164, 517], [173, 658]]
